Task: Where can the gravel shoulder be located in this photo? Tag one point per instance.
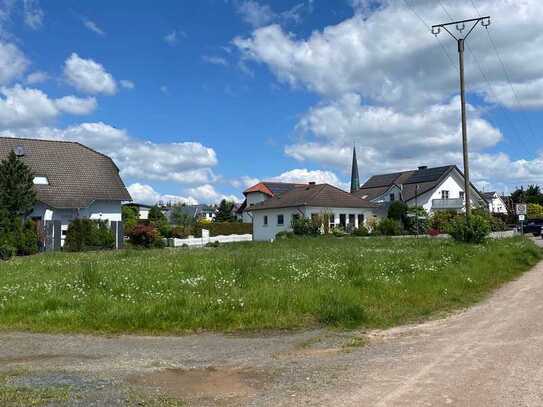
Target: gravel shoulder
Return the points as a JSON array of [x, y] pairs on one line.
[[490, 354]]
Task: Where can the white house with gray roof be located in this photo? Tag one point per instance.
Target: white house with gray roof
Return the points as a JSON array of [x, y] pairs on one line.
[[434, 189], [70, 179], [276, 213]]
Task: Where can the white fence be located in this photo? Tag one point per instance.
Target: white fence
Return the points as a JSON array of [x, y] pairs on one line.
[[205, 239]]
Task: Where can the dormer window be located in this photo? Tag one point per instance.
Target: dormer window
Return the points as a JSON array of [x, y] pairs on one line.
[[39, 180]]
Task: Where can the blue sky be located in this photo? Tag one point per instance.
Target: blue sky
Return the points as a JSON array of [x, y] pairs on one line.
[[196, 100]]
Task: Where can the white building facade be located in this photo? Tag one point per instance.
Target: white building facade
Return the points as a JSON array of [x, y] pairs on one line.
[[267, 223], [434, 189]]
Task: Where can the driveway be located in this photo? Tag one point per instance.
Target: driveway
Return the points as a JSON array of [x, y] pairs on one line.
[[488, 355]]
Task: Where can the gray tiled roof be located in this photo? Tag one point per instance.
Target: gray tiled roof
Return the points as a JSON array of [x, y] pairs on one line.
[[77, 175], [322, 195], [489, 195], [414, 182]]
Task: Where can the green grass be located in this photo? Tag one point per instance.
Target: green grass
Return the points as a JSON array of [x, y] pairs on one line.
[[295, 283]]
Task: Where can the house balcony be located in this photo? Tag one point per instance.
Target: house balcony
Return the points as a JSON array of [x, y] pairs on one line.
[[444, 204]]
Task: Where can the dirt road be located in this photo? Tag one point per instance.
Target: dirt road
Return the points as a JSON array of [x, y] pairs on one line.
[[489, 355]]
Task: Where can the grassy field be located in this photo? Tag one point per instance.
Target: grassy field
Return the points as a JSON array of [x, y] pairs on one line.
[[288, 284]]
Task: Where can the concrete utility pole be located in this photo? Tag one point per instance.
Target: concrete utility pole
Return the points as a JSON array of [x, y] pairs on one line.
[[460, 26]]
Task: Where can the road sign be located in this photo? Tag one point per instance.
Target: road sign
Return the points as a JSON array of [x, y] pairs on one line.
[[521, 209], [521, 217]]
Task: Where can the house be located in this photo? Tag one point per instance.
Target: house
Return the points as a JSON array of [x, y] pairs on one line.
[[434, 189], [71, 181], [261, 192], [496, 203], [143, 209], [275, 214]]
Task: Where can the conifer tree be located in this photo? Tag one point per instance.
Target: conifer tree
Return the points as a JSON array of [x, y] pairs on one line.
[[224, 213], [17, 194]]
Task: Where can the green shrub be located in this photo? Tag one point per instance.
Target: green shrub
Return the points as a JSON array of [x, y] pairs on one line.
[[338, 231], [27, 241], [535, 211], [361, 231], [7, 252], [21, 236], [474, 231], [181, 232], [496, 223], [389, 227], [284, 235], [130, 216], [87, 234], [440, 220], [305, 227], [397, 211], [165, 229]]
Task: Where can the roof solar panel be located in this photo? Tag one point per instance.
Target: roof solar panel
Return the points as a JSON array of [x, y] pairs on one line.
[[427, 175], [381, 180], [278, 188]]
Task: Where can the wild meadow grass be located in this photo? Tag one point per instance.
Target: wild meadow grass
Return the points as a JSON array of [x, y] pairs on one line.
[[346, 282]]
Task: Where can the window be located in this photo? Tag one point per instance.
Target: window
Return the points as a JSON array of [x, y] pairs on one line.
[[342, 219], [461, 194], [352, 217], [444, 194], [391, 197], [332, 221], [280, 220], [265, 220], [360, 220], [41, 181], [314, 217]]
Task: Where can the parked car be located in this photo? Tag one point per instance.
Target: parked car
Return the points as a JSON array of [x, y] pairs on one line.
[[533, 226]]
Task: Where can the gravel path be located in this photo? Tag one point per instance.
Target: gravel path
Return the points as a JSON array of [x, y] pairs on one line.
[[491, 354]]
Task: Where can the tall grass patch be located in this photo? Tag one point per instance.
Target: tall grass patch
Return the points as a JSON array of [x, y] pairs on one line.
[[293, 283]]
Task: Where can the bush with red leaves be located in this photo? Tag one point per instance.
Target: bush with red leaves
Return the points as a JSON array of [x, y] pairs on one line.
[[145, 235]]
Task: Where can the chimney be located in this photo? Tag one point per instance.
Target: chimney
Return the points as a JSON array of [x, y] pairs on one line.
[[423, 167], [311, 182]]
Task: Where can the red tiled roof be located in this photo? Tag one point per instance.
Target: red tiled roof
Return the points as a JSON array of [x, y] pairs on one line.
[[260, 187]]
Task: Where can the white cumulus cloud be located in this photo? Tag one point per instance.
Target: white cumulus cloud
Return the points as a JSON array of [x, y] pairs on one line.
[[36, 77], [145, 194], [13, 62], [304, 176], [207, 193], [88, 76], [76, 105], [181, 162]]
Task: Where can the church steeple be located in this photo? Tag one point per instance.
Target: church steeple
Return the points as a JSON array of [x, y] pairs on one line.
[[355, 181]]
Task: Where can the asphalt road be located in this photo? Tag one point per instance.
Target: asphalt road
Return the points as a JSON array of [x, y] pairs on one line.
[[488, 355]]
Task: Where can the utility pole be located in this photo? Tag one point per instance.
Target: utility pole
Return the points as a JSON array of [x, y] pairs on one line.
[[461, 26]]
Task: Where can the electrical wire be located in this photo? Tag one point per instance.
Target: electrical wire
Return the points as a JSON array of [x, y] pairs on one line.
[[507, 76], [490, 91], [443, 48]]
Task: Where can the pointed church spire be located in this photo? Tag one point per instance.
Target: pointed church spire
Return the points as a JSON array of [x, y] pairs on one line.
[[355, 181]]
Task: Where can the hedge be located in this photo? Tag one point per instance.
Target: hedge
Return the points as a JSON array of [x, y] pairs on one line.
[[226, 228]]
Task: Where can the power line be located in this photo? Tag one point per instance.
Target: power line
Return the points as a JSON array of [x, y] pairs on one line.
[[518, 134], [512, 124], [460, 40], [507, 77], [443, 48], [485, 78], [445, 10]]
